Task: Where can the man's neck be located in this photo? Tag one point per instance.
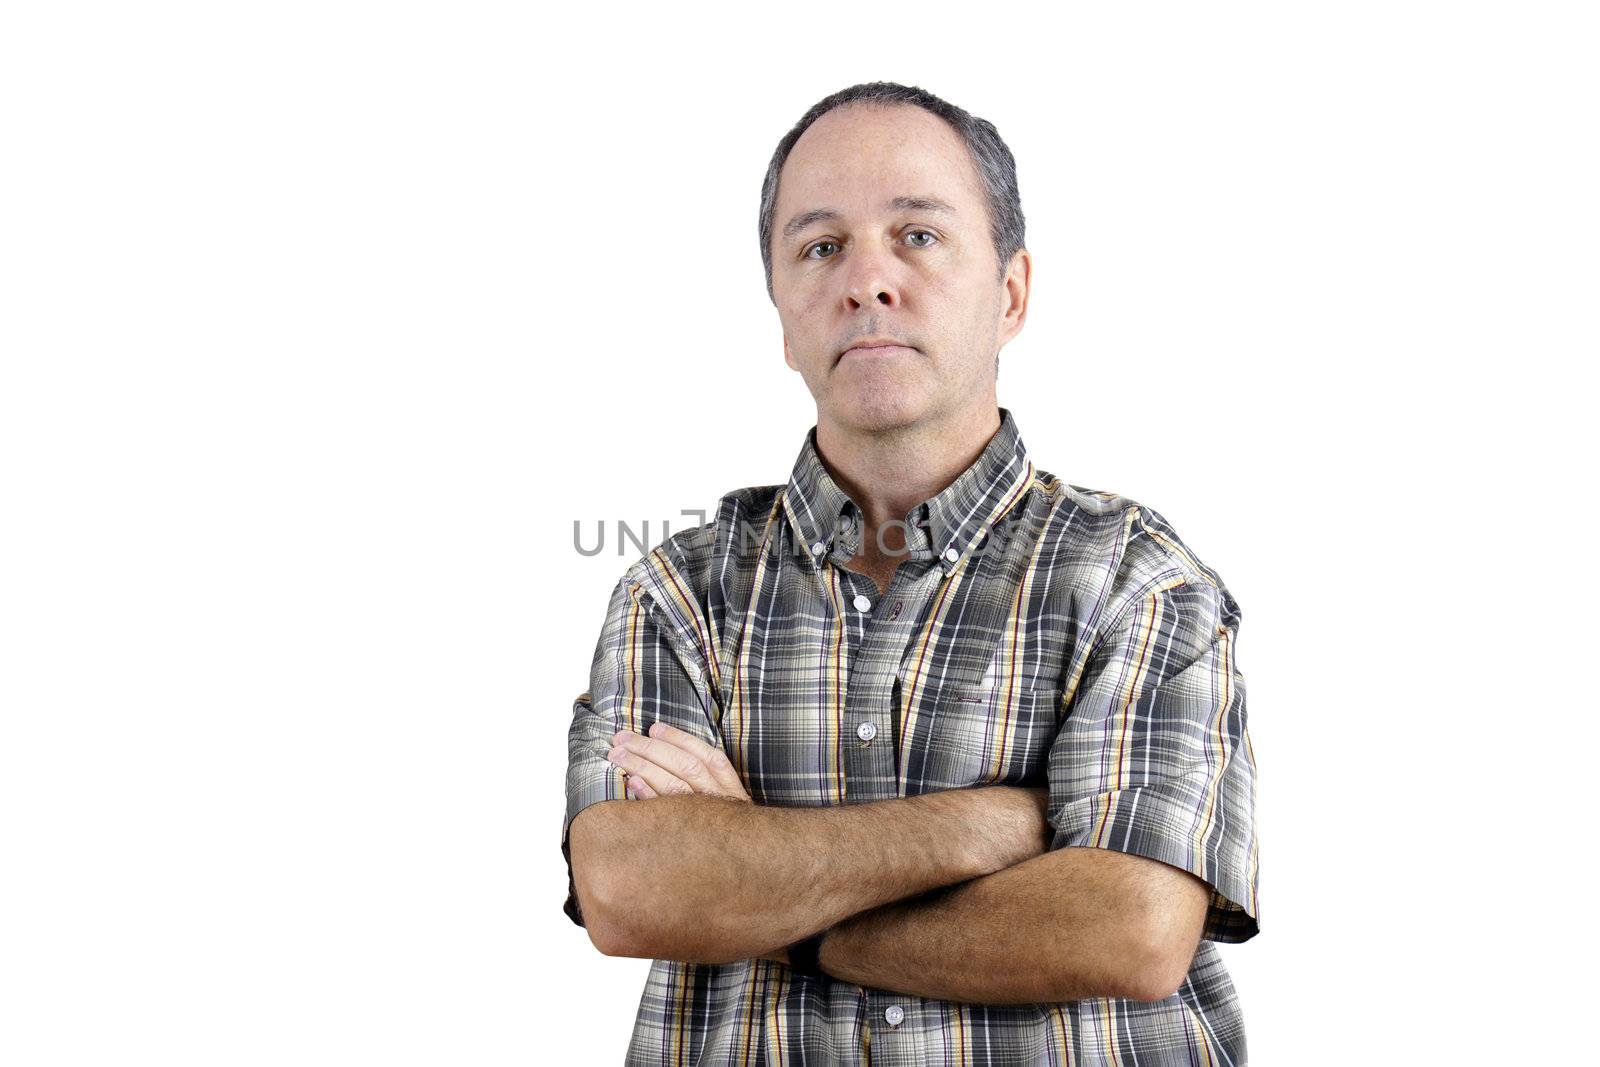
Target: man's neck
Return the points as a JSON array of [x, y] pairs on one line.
[[887, 473]]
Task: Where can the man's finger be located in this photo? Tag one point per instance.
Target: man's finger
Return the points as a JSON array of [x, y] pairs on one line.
[[661, 780], [680, 762], [640, 788], [710, 756]]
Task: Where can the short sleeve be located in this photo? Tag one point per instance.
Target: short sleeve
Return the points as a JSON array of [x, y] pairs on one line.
[[1153, 756], [643, 672]]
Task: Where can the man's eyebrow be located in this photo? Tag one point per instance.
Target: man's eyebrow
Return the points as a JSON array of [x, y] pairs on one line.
[[921, 203], [899, 203]]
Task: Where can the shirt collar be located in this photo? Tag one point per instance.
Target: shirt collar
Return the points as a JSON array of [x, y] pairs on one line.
[[945, 526]]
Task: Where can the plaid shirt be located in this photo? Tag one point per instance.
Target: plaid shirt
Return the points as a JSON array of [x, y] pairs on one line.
[[1036, 633]]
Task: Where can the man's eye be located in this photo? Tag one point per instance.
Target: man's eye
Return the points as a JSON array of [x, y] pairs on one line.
[[819, 244], [922, 233]]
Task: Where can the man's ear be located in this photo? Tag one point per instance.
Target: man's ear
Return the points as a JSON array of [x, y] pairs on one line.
[[1014, 296], [788, 357]]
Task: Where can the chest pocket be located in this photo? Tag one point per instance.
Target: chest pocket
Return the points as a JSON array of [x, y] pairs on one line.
[[991, 736]]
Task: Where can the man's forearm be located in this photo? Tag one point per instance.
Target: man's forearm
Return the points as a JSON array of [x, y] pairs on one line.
[[1063, 926], [711, 880]]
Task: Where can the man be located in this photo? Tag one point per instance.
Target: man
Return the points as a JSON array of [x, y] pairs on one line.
[[942, 760]]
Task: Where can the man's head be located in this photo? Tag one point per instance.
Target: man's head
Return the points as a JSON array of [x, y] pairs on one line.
[[889, 214]]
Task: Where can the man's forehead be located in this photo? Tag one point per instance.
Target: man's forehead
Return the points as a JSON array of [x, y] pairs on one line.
[[860, 153], [811, 216]]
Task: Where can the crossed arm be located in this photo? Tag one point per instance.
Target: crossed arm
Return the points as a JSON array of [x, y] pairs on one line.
[[954, 895]]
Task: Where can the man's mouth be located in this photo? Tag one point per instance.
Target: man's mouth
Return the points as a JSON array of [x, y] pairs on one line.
[[874, 351]]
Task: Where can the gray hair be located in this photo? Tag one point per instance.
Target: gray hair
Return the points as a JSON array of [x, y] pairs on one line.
[[993, 160]]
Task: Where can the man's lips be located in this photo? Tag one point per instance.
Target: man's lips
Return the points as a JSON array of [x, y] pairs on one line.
[[874, 351]]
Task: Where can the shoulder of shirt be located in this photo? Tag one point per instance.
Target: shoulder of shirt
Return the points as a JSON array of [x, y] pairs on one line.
[[686, 555], [1149, 553]]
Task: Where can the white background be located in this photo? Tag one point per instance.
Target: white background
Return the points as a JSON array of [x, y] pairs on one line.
[[324, 322]]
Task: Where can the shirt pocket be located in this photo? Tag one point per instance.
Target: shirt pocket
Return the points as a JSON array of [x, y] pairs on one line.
[[999, 735]]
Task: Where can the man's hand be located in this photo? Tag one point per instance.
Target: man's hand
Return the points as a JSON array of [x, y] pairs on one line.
[[671, 760]]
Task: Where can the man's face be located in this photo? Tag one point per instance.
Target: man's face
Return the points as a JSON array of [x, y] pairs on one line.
[[893, 243]]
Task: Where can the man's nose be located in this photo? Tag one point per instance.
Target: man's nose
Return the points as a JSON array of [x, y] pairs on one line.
[[872, 279]]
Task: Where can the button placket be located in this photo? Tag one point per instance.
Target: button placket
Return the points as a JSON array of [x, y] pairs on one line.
[[870, 764]]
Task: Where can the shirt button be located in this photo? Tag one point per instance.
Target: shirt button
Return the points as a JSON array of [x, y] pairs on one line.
[[817, 547], [867, 731], [862, 603], [894, 1015], [951, 554]]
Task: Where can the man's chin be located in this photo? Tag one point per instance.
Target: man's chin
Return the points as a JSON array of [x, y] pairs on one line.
[[880, 410]]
